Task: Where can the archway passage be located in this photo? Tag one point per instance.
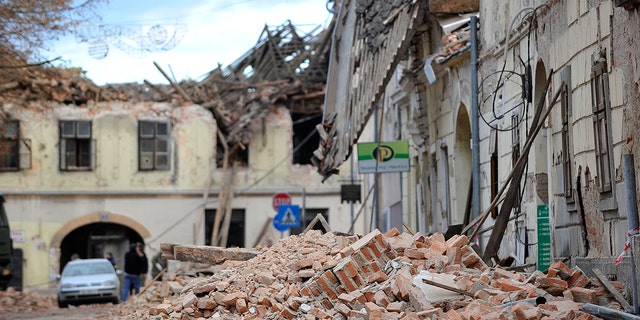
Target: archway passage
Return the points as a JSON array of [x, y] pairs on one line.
[[462, 167], [94, 240]]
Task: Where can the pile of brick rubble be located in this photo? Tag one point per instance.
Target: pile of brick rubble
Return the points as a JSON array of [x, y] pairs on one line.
[[377, 276]]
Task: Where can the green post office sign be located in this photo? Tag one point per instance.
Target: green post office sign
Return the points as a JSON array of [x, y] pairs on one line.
[[383, 157]]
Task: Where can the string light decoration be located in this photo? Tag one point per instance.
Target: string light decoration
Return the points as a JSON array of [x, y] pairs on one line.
[[135, 40]]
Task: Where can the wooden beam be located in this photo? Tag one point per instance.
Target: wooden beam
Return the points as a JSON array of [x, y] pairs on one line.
[[173, 84], [446, 287], [500, 225], [319, 217], [609, 286], [208, 254], [263, 232]]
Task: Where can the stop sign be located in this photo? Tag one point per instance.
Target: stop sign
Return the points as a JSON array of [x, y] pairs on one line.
[[279, 199]]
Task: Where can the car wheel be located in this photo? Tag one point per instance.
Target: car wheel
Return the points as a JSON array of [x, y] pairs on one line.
[[115, 300], [62, 304]]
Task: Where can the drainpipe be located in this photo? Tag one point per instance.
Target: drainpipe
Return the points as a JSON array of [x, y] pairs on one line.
[[632, 217], [475, 136]]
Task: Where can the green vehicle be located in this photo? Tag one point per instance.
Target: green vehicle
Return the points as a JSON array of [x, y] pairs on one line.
[[6, 248]]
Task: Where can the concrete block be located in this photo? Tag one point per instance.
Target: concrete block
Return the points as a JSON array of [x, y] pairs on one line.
[[432, 294]]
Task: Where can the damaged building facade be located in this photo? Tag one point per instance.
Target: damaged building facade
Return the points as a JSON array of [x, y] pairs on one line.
[[551, 114], [90, 169]]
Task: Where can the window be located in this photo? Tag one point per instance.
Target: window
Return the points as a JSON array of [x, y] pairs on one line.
[[9, 146], [76, 146], [601, 106], [565, 102], [153, 145], [305, 136], [515, 152], [493, 151]]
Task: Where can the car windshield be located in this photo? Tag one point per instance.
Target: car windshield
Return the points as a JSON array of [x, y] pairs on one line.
[[87, 269]]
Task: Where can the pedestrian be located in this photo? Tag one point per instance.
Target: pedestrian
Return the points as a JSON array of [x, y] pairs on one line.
[[157, 265], [134, 262], [112, 260]]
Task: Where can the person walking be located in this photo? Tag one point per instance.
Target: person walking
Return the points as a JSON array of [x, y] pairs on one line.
[[134, 262]]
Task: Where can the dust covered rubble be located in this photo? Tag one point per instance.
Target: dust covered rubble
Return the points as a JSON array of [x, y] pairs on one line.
[[375, 276]]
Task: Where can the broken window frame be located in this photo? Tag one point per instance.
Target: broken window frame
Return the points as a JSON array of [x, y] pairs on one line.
[[154, 149], [601, 107], [10, 146], [77, 148], [566, 113]]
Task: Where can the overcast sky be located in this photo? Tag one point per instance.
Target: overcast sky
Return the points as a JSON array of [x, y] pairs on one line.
[[186, 38]]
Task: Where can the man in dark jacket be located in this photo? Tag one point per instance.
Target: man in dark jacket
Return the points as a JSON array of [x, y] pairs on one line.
[[135, 261]]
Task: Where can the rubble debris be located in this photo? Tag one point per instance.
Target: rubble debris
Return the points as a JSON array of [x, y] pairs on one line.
[[378, 276], [375, 276]]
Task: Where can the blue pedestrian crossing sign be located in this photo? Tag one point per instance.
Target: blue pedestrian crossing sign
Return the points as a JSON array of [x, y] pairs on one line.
[[288, 216]]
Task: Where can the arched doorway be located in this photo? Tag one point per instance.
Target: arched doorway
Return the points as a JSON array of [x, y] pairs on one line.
[[462, 157], [93, 235]]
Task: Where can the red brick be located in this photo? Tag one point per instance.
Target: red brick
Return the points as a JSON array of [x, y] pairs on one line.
[[241, 306], [370, 307], [351, 268], [392, 232], [554, 286], [454, 254], [346, 281], [287, 313], [457, 241], [437, 243], [526, 311], [343, 309], [453, 315], [435, 313], [326, 303], [584, 295], [396, 306], [371, 236], [376, 249], [327, 288], [560, 266], [347, 298], [381, 299], [414, 253], [507, 285], [319, 314], [377, 277], [404, 286], [305, 291]]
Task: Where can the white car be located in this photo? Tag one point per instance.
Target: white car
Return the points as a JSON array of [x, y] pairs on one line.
[[88, 281]]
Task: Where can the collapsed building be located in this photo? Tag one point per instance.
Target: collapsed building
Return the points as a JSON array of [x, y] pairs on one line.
[[89, 169]]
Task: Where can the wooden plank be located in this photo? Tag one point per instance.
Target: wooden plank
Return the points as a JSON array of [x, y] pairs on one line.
[[318, 218], [609, 286], [446, 287], [211, 255], [167, 251]]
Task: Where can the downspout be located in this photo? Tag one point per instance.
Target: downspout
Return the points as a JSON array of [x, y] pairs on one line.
[[475, 136], [632, 218]]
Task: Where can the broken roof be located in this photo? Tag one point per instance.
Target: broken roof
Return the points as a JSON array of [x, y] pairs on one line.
[[286, 67]]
